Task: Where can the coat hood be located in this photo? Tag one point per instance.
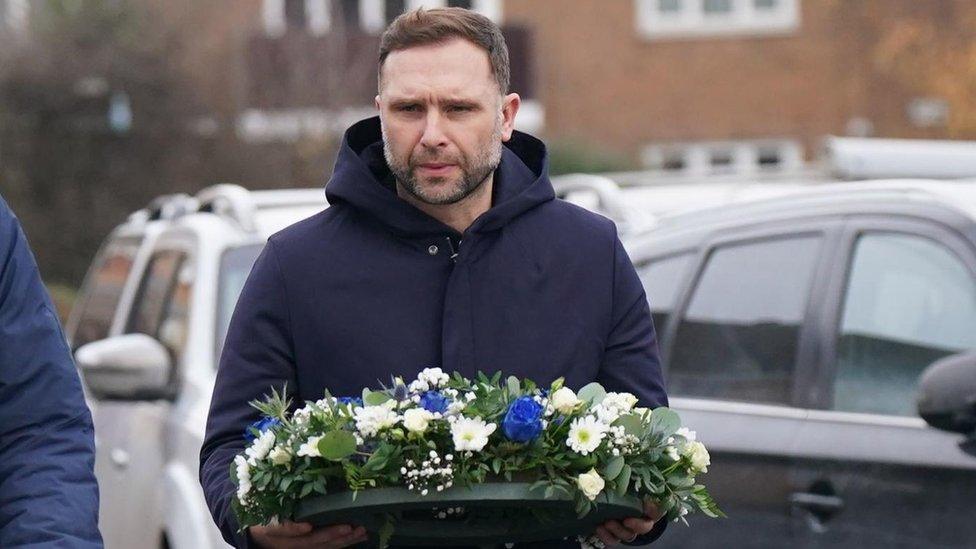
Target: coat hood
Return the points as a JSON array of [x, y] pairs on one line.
[[362, 180]]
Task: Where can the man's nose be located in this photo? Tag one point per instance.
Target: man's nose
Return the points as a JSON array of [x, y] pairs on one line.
[[433, 136]]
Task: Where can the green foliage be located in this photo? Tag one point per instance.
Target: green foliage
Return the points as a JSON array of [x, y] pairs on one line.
[[650, 463]]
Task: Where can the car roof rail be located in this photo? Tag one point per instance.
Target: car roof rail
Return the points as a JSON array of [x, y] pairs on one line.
[[231, 201], [873, 158], [611, 201], [169, 206]]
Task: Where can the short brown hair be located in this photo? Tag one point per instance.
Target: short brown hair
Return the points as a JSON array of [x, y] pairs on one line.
[[422, 27]]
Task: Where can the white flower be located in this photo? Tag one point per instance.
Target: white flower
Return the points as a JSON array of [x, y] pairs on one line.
[[418, 386], [591, 484], [280, 455], [310, 448], [623, 402], [434, 377], [416, 419], [302, 415], [471, 434], [698, 455], [672, 453], [585, 434], [455, 407], [261, 446], [691, 436], [606, 414], [243, 477], [565, 400], [373, 419]]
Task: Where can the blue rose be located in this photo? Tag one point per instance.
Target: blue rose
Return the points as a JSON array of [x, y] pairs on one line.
[[355, 401], [434, 401], [260, 426], [523, 422]]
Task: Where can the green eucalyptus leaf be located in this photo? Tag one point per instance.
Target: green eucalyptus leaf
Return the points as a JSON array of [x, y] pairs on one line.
[[336, 445], [375, 398], [631, 423], [664, 422], [514, 387], [594, 393], [613, 468], [623, 480]]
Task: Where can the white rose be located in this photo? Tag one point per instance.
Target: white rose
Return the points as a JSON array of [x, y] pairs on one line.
[[310, 448], [591, 483], [280, 455], [416, 419], [565, 400], [698, 455], [623, 402]]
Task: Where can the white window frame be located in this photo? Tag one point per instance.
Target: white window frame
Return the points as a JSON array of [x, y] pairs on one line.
[[318, 17], [16, 15], [691, 21], [373, 18], [697, 156]]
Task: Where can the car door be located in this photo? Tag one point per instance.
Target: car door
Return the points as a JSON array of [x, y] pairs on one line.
[[132, 451], [737, 351], [903, 295]]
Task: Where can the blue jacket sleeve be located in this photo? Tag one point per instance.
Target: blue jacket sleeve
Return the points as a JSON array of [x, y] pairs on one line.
[[632, 360], [257, 356], [48, 493]]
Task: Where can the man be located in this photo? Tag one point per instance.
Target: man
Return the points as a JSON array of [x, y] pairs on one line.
[[441, 247], [48, 494]]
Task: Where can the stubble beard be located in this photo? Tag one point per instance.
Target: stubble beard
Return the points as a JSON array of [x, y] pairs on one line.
[[474, 172]]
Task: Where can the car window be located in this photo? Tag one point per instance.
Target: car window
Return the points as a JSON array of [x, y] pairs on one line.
[[235, 266], [101, 298], [738, 339], [663, 279], [909, 302], [154, 293], [174, 326]]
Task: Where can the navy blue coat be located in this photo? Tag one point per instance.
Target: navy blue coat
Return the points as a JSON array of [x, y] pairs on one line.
[[539, 288], [48, 494]]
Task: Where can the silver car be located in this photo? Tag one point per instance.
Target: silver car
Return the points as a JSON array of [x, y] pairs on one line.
[[147, 331]]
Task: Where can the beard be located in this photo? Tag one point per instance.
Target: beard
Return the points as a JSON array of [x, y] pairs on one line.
[[473, 171]]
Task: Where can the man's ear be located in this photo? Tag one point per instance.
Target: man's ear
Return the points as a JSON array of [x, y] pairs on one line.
[[510, 107], [376, 101]]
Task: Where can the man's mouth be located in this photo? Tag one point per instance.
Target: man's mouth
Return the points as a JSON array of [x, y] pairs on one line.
[[435, 168]]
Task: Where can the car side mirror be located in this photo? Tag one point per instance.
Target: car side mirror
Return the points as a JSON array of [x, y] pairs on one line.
[[126, 367], [947, 394]]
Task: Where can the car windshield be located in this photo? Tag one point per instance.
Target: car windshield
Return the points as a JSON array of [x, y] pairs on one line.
[[235, 265]]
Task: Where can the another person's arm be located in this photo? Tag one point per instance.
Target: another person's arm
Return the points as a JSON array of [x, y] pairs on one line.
[[48, 493]]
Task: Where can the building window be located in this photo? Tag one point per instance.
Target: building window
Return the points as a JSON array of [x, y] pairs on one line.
[[375, 15], [724, 157], [313, 16], [393, 8], [662, 19], [13, 15]]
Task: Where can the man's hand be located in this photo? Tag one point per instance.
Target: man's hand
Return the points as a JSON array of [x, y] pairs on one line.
[[613, 532], [296, 535]]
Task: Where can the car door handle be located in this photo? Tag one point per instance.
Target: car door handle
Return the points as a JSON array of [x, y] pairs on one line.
[[821, 505], [120, 458]]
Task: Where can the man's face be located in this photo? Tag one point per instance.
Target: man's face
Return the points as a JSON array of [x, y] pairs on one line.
[[443, 119]]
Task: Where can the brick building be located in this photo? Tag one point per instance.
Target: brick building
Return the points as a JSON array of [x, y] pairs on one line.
[[682, 85]]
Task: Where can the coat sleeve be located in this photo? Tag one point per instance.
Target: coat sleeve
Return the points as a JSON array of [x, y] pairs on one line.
[[632, 360], [48, 493], [257, 356]]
